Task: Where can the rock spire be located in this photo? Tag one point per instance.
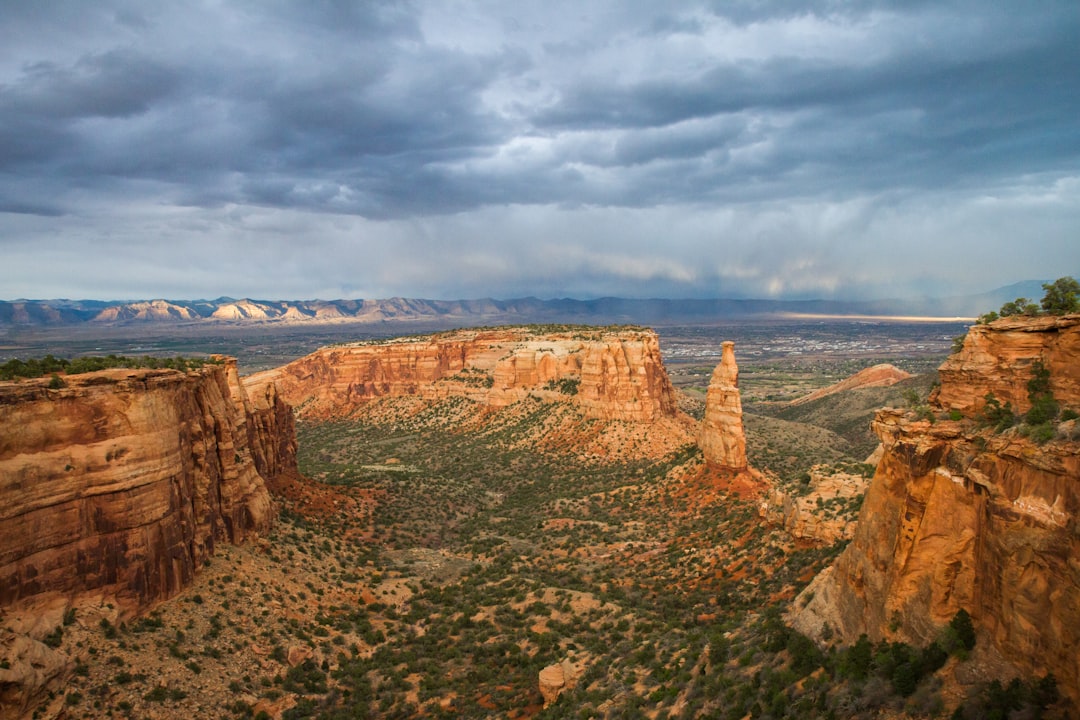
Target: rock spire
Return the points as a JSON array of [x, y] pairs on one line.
[[722, 439]]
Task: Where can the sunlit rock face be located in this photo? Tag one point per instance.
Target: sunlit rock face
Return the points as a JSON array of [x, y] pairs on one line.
[[121, 483], [721, 437], [997, 358], [961, 516], [612, 374]]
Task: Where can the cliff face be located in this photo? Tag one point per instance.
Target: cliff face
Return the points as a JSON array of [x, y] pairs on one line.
[[614, 374], [997, 358], [721, 439], [958, 516], [122, 483]]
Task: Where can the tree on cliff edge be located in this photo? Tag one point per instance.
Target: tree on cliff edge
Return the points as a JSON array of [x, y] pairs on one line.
[[1061, 296]]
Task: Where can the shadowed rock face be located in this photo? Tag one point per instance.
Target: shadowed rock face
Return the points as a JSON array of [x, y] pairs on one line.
[[122, 483], [960, 517], [612, 374], [722, 439]]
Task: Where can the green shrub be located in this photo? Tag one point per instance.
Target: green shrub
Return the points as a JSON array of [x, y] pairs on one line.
[[1061, 296], [54, 638], [158, 694], [1019, 306], [1044, 408], [996, 414], [1041, 433], [963, 627]]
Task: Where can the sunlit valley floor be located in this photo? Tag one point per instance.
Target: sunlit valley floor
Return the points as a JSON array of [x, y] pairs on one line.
[[440, 564]]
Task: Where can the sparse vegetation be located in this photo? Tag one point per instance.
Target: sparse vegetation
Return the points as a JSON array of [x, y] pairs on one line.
[[444, 553], [50, 365], [1061, 297]]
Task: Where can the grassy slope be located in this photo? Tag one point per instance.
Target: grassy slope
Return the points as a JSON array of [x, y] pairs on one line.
[[845, 415]]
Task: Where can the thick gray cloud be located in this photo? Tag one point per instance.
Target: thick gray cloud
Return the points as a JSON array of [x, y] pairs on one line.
[[464, 149]]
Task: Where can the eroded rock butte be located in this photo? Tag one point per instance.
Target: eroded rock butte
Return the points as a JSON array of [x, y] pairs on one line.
[[611, 373]]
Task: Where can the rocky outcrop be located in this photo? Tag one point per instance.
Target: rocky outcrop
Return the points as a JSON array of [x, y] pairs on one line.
[[121, 483], [32, 676], [959, 516], [883, 375], [611, 373], [825, 514], [997, 358], [558, 678], [721, 437]]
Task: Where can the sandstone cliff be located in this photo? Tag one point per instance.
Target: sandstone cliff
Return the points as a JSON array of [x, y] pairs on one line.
[[121, 483], [959, 516], [612, 374], [721, 437], [997, 358]]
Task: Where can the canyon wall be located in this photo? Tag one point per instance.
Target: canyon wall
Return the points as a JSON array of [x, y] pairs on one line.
[[721, 437], [121, 483], [611, 373], [961, 516], [997, 358]]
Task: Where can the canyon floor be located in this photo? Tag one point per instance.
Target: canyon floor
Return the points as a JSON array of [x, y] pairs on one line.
[[439, 556]]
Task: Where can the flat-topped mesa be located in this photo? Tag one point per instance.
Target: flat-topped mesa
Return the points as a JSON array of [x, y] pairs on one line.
[[997, 358], [120, 484], [721, 438], [962, 515], [611, 373]]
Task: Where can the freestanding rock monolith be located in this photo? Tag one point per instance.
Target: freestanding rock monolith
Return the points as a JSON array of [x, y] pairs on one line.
[[722, 439]]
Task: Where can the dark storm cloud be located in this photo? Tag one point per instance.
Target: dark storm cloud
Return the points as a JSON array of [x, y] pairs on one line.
[[390, 130]]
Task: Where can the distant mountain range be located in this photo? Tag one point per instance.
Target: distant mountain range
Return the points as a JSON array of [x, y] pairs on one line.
[[230, 311]]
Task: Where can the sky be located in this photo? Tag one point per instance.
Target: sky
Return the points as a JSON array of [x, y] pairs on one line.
[[449, 150]]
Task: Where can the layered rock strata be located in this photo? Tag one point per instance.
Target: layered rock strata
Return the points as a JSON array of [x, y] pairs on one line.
[[997, 358], [960, 516], [721, 438], [612, 374], [121, 483]]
